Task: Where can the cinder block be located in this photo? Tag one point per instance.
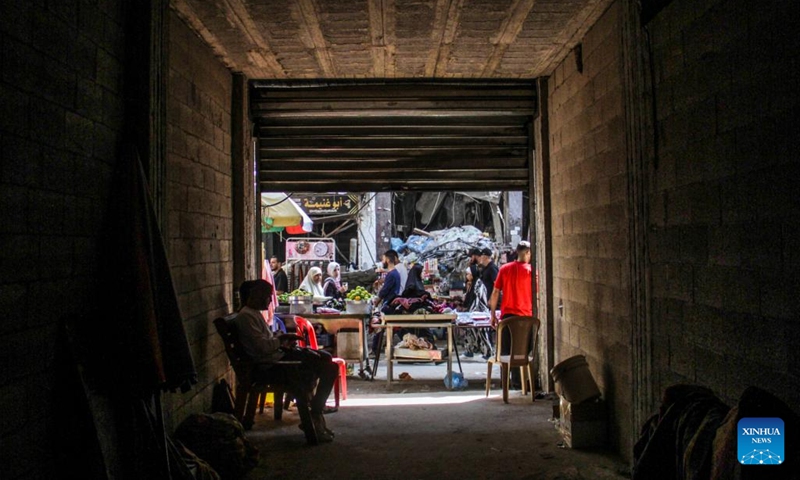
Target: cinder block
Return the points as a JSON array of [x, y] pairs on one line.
[[583, 425]]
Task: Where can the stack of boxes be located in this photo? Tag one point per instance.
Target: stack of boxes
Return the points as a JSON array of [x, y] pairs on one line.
[[582, 413]]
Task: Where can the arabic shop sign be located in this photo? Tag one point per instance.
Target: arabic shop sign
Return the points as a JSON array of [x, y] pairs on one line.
[[329, 204]]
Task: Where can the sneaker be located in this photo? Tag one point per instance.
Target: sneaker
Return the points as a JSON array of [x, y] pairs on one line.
[[322, 427], [324, 434], [325, 437], [469, 354]]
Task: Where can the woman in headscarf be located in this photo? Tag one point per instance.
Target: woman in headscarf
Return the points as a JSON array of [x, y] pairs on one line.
[[475, 300], [313, 282], [414, 285], [333, 284]]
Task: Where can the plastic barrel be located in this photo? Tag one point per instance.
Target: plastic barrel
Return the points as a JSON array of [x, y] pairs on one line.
[[575, 379]]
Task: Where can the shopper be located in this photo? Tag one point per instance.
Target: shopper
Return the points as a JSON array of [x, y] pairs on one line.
[[333, 286], [488, 272], [514, 282]]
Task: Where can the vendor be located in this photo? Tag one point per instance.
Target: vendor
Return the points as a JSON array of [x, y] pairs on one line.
[[333, 286], [279, 278], [391, 284], [313, 282]]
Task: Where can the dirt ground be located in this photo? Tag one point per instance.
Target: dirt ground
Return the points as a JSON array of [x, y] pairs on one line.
[[416, 429]]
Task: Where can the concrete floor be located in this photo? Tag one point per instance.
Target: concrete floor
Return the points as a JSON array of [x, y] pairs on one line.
[[417, 429]]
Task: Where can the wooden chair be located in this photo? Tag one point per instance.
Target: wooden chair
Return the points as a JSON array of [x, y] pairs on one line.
[[248, 390], [524, 331]]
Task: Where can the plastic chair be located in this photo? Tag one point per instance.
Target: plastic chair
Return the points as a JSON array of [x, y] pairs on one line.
[[524, 331], [305, 329], [248, 390]]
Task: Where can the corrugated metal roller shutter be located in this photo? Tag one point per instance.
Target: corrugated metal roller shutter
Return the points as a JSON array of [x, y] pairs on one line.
[[360, 136]]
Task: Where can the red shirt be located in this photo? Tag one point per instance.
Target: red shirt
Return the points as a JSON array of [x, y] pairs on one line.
[[514, 280]]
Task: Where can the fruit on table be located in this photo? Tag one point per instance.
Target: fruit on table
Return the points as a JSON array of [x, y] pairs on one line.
[[358, 293], [284, 297]]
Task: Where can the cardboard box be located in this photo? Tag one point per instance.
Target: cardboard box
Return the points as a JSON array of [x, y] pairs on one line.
[[400, 352], [583, 425], [348, 344]]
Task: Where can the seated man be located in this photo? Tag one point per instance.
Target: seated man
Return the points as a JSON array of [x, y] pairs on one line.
[[317, 368]]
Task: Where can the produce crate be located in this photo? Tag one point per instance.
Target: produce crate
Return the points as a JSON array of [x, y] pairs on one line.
[[349, 344], [358, 306], [301, 305]]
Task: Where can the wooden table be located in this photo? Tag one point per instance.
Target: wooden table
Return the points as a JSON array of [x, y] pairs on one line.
[[389, 322], [333, 323]]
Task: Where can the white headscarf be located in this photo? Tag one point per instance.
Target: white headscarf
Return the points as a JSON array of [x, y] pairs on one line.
[[336, 276], [309, 285]]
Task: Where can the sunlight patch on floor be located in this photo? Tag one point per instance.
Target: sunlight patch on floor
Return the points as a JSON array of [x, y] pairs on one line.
[[396, 400]]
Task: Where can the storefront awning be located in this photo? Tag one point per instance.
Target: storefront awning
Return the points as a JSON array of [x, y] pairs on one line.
[[278, 211]]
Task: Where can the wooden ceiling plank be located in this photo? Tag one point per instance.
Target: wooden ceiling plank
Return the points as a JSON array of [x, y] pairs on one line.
[[444, 30], [577, 27], [377, 38], [389, 38], [238, 15], [307, 10], [188, 15], [509, 30], [382, 35]]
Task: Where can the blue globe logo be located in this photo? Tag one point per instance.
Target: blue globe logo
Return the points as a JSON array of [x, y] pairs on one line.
[[760, 457]]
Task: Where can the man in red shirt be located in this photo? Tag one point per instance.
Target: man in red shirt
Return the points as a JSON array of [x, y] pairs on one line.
[[514, 282]]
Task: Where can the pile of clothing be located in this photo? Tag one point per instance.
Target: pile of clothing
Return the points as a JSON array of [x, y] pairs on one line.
[[694, 436], [414, 305], [414, 342]]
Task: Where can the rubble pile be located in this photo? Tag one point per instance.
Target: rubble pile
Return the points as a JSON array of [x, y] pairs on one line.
[[449, 247]]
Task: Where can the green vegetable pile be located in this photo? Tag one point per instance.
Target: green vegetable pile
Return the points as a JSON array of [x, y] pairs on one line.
[[284, 297], [358, 293]]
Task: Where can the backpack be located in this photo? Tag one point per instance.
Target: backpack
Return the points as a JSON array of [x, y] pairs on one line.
[[222, 398], [218, 439]]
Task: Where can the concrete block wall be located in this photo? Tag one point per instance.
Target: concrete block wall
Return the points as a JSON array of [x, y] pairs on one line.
[[199, 209], [724, 206], [61, 114], [589, 211]]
